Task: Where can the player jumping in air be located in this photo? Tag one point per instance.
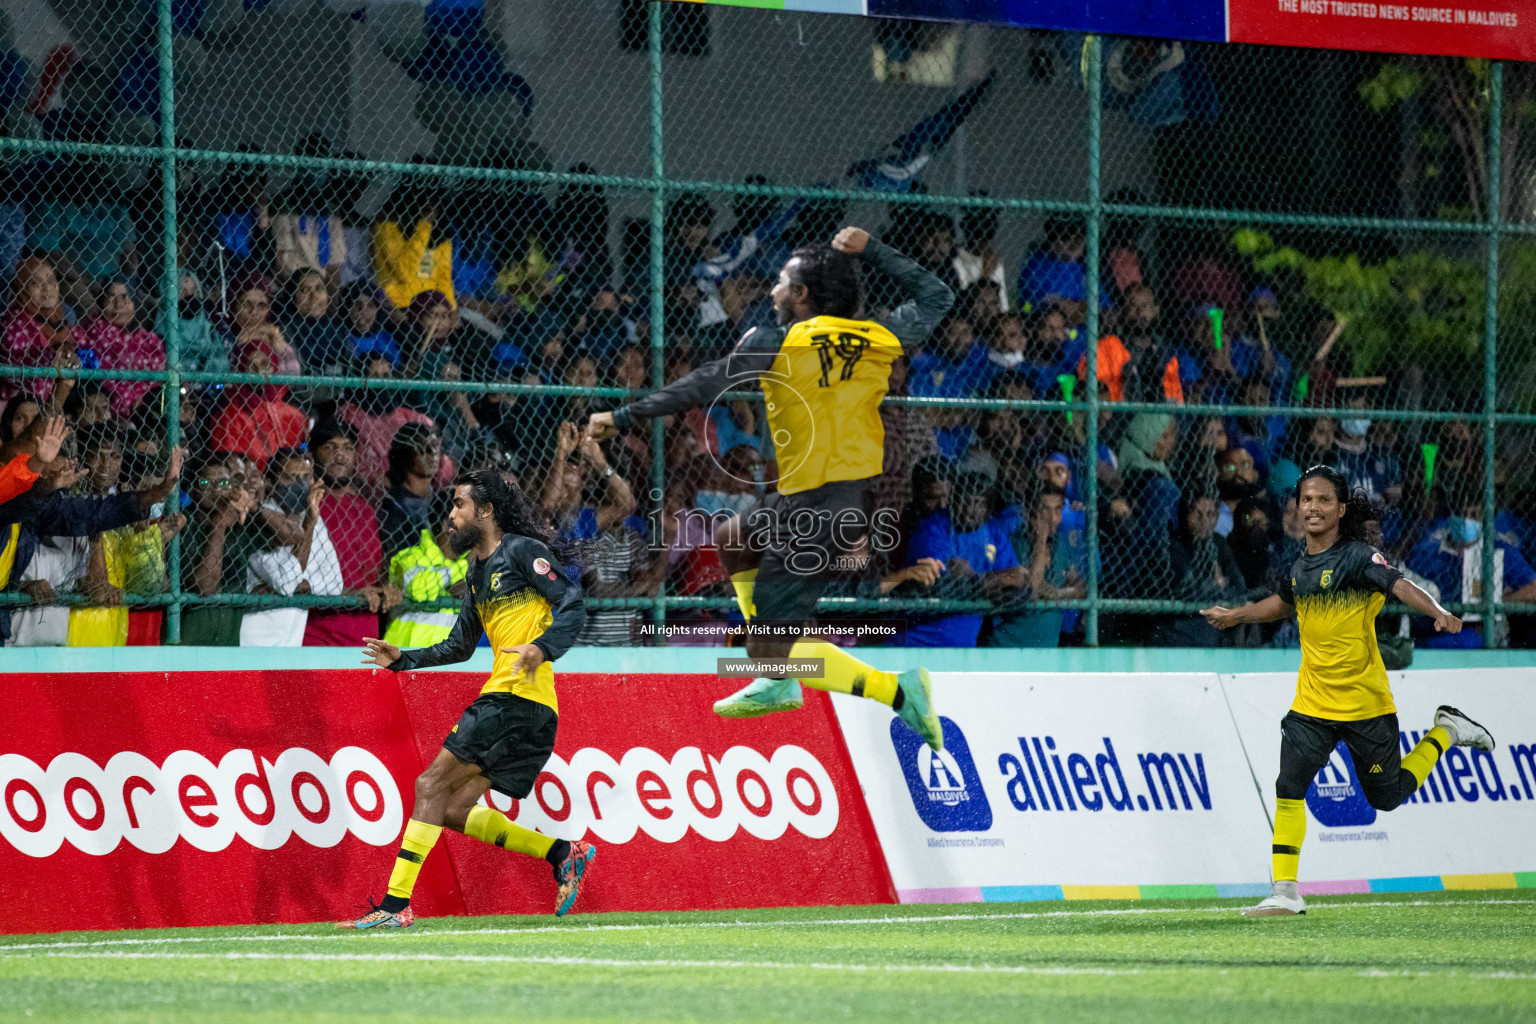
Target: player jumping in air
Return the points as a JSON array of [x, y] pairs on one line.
[[823, 371], [522, 598], [1337, 589]]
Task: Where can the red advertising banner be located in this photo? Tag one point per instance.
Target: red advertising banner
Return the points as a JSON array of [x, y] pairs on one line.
[[1494, 29], [690, 811], [163, 799], [171, 799]]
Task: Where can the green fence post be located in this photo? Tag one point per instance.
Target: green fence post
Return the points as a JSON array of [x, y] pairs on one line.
[[657, 283], [1091, 391], [169, 295], [1491, 343]]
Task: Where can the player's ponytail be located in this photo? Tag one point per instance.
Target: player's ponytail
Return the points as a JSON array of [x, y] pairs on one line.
[[513, 512], [1359, 509]]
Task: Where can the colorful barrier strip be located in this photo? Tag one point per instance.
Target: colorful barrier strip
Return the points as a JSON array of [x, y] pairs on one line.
[[1237, 890]]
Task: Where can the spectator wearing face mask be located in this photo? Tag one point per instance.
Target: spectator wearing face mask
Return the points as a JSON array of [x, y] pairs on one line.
[[1451, 557], [202, 347], [307, 565], [1367, 466]]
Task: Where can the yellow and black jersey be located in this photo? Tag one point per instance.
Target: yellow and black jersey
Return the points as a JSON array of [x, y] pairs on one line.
[[1337, 595], [822, 380], [823, 395], [520, 595]]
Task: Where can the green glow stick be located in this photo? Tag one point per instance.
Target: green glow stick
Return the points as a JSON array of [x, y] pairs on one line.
[[1067, 381], [1430, 451], [1216, 316]]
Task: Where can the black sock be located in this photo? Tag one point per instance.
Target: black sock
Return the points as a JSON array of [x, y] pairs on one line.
[[394, 904], [557, 852], [898, 700]]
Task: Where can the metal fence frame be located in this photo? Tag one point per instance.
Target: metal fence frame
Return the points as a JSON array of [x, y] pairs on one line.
[[168, 155]]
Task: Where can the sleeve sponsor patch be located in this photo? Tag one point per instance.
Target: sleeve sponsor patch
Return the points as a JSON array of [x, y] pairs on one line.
[[1380, 559], [541, 566]]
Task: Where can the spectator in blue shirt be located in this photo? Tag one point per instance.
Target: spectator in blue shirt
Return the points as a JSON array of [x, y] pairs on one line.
[[978, 558], [952, 365], [1054, 274], [1451, 557]]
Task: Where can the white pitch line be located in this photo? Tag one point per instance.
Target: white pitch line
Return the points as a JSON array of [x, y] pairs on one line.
[[581, 961], [888, 919]]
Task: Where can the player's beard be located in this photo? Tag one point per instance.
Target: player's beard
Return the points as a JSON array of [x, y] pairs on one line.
[[466, 539]]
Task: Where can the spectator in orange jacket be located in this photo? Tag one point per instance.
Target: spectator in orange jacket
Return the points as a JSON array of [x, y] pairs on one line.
[[1143, 367]]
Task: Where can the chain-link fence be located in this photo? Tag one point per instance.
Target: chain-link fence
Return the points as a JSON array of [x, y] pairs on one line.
[[360, 247]]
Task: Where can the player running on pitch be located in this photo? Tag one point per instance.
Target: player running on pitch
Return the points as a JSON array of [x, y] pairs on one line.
[[522, 598], [823, 371], [1337, 589]]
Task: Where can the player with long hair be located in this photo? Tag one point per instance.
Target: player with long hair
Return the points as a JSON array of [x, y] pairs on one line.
[[1337, 588], [523, 599], [823, 370]]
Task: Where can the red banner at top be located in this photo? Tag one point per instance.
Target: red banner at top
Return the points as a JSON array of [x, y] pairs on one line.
[[1495, 30]]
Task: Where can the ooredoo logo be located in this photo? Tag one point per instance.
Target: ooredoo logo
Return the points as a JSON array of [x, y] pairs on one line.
[[665, 798], [1335, 797], [265, 803], [945, 786]]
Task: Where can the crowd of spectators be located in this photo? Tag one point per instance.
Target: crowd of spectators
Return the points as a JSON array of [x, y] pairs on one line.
[[335, 493]]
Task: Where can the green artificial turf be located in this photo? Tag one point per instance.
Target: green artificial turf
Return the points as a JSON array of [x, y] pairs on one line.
[[1463, 956]]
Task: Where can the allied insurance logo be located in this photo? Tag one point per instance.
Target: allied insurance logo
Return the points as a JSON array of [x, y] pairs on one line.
[[1335, 797], [945, 787]]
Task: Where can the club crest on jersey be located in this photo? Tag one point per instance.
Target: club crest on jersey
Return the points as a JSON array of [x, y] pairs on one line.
[[1326, 579], [495, 581]]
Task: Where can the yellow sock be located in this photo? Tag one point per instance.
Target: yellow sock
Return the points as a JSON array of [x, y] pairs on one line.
[[1290, 830], [1421, 759], [843, 673], [414, 847], [491, 826], [743, 582]]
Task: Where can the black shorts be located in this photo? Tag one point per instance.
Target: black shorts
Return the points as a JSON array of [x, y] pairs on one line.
[[1306, 743], [806, 539], [508, 737]]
